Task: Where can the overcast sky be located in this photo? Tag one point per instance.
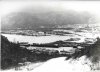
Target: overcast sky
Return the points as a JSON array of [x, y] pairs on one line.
[[14, 6]]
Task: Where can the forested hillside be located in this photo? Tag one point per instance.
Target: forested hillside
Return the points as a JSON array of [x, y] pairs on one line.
[[11, 53]]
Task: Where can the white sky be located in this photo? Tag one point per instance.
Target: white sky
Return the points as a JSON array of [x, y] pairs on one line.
[[13, 6]]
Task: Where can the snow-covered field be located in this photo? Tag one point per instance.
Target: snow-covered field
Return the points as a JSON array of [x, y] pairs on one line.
[[35, 39], [90, 31], [47, 39], [68, 49]]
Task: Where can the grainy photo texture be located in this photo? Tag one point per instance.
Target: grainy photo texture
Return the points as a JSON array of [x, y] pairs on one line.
[[50, 36]]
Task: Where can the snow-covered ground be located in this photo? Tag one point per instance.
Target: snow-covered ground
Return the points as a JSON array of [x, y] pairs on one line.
[[34, 39], [60, 64], [90, 31], [46, 39], [69, 49]]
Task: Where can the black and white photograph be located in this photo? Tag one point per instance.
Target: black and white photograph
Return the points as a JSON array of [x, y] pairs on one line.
[[50, 36]]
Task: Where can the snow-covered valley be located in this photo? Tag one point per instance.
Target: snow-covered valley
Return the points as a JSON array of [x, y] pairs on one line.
[[60, 64]]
